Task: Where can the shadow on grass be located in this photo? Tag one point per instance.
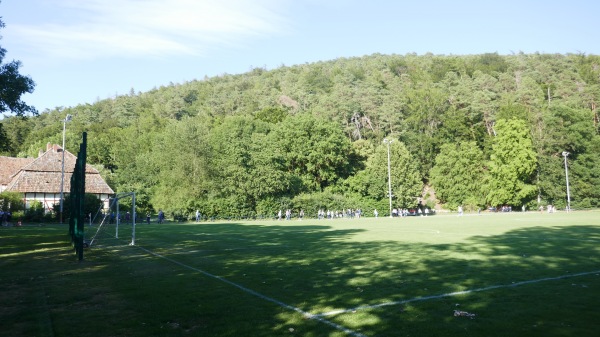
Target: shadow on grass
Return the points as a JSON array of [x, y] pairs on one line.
[[316, 268]]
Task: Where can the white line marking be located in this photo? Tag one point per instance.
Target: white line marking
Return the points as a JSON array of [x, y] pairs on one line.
[[425, 298], [264, 297]]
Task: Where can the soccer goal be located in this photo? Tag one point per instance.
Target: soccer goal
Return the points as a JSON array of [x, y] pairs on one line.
[[114, 224]]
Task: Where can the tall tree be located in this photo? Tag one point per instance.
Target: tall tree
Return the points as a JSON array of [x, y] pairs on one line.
[[315, 150], [585, 177], [372, 182], [5, 145], [512, 165], [458, 175], [177, 175], [425, 107], [244, 165]]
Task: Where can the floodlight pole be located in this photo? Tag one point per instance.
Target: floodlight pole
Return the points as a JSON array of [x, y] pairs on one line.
[[133, 230], [62, 175], [565, 154], [388, 142], [117, 221]]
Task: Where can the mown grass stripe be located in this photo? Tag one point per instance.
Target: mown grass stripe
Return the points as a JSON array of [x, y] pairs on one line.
[[456, 293], [259, 295]]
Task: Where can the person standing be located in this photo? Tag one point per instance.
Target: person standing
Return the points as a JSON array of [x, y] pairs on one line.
[[197, 215], [375, 213], [148, 218]]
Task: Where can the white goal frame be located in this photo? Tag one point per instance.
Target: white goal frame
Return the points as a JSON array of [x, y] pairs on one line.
[[116, 201]]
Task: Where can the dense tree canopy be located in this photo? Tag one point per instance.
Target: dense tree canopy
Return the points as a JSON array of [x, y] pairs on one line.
[[479, 130], [512, 165], [459, 175], [372, 182]]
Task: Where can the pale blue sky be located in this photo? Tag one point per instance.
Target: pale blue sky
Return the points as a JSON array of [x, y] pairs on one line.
[[79, 51]]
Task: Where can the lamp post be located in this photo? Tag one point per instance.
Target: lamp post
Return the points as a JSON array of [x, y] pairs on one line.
[[388, 142], [565, 154], [62, 175]]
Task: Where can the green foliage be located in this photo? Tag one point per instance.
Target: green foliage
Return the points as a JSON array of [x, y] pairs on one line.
[[425, 106], [91, 205], [249, 143], [584, 177], [512, 165], [271, 115], [11, 201], [35, 212], [458, 175], [311, 203], [173, 176], [13, 86], [372, 182], [491, 63], [5, 145], [314, 150]]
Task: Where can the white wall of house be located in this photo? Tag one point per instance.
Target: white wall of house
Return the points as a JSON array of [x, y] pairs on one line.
[[50, 199]]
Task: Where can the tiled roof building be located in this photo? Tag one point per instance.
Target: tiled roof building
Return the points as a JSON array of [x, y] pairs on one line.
[[40, 178]]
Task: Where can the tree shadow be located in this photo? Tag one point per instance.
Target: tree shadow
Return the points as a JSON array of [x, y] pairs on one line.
[[319, 269], [234, 279]]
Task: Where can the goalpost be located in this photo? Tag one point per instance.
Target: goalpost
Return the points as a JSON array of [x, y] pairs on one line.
[[110, 216]]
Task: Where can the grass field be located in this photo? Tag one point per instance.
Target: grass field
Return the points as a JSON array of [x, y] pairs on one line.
[[517, 274]]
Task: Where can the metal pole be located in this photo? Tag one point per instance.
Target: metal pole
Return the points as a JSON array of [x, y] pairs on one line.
[[133, 232], [62, 176], [388, 142], [118, 219], [565, 154]]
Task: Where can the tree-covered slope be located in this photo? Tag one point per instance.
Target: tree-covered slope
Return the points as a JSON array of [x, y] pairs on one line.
[[310, 136]]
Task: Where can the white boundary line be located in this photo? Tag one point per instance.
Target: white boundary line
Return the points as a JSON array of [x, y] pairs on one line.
[[264, 297], [425, 298]]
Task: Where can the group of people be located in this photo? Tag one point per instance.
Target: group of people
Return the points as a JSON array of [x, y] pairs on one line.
[[288, 214], [321, 214], [349, 213], [402, 212]]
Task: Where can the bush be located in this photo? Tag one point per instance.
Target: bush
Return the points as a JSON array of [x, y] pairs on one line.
[[311, 203], [11, 202], [91, 204], [35, 213], [18, 215]]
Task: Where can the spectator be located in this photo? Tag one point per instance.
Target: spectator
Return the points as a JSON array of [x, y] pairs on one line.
[[161, 216]]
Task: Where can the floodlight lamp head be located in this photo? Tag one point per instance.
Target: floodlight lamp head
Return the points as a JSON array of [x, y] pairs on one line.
[[565, 153], [68, 118]]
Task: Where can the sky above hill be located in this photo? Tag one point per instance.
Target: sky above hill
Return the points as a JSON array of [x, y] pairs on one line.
[[81, 51]]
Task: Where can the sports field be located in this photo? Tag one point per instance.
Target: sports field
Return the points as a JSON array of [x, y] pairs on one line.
[[501, 274]]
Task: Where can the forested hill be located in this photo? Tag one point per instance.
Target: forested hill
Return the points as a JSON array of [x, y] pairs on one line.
[[480, 130]]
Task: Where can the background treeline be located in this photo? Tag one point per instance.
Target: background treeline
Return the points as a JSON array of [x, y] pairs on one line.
[[478, 131]]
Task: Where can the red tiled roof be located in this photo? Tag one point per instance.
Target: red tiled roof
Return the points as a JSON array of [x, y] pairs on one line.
[[10, 166], [51, 161], [44, 173]]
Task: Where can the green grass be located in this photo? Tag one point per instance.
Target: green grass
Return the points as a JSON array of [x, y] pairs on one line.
[[258, 278]]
